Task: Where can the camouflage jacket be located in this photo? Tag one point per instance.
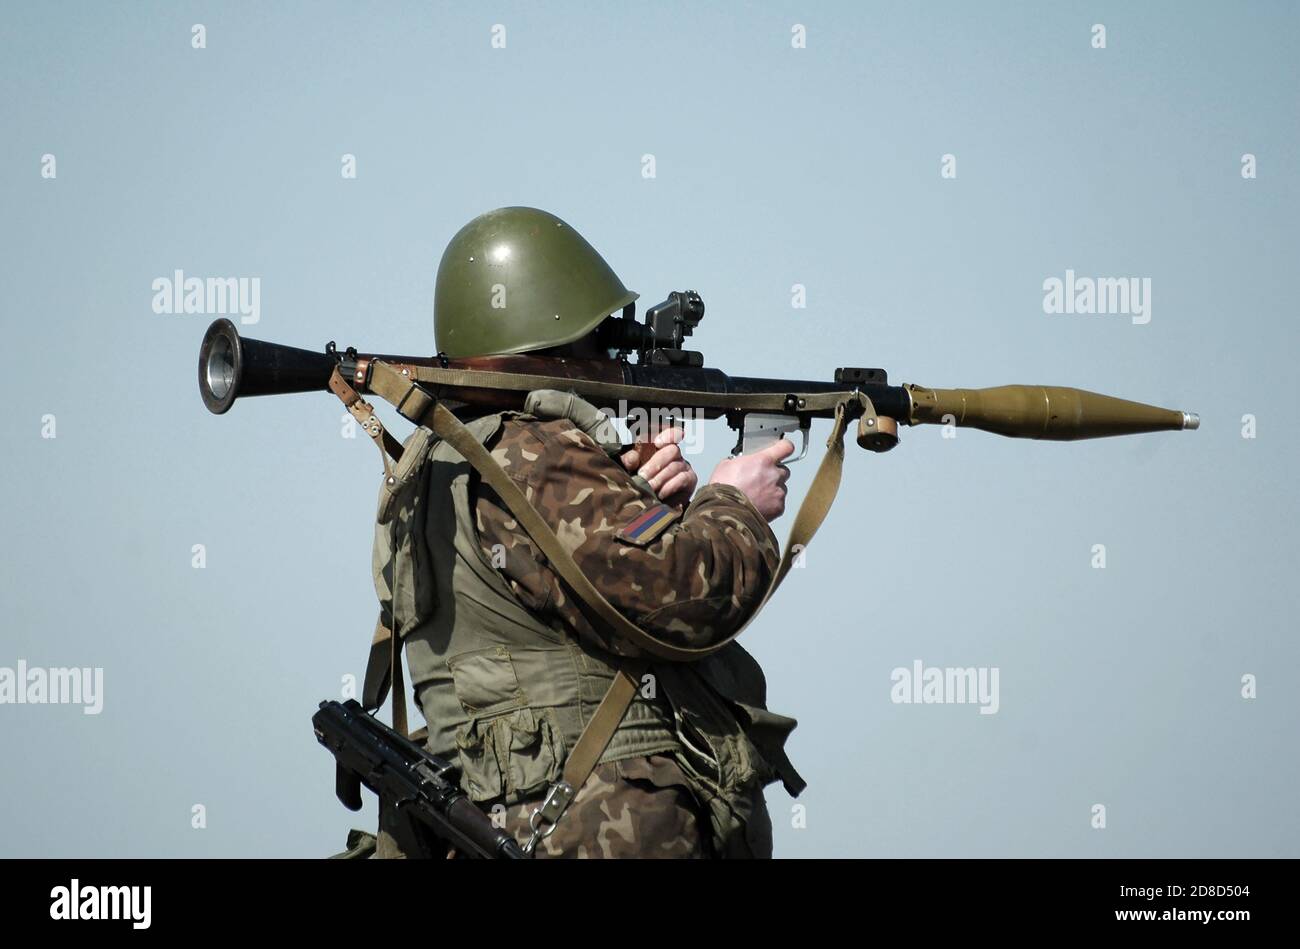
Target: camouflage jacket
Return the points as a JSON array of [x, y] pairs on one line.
[[693, 582], [692, 579], [688, 576]]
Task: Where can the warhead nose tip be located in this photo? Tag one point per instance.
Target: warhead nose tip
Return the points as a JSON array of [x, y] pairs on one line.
[[1191, 421]]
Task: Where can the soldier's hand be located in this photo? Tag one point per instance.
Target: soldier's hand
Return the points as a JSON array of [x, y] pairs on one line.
[[660, 462], [760, 475]]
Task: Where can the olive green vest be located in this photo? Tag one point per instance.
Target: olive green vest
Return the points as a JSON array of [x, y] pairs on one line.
[[507, 696]]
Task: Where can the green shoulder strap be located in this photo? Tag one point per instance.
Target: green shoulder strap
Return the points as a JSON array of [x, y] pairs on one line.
[[418, 405]]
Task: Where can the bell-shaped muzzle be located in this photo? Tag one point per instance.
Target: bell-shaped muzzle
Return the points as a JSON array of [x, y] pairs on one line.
[[231, 367]]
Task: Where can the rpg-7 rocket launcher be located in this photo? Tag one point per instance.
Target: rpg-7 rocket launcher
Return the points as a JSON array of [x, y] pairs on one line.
[[666, 377]]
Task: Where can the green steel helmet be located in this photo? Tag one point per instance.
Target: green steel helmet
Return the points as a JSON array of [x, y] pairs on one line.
[[519, 279]]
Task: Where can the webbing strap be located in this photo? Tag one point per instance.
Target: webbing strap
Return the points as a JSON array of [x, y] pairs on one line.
[[422, 408], [379, 668], [364, 412], [384, 670], [585, 755], [595, 737], [613, 391], [384, 665], [399, 689], [414, 403]]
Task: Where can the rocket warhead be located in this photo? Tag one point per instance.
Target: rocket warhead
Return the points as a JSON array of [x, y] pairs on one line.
[[1055, 413]]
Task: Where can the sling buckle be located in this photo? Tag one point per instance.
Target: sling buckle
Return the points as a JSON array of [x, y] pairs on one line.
[[547, 816]]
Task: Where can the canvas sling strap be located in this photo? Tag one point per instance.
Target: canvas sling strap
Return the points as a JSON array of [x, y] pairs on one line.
[[417, 404], [384, 666]]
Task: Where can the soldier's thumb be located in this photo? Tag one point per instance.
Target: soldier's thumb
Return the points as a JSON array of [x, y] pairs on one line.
[[779, 450]]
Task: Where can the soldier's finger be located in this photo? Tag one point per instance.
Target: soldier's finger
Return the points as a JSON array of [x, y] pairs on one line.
[[637, 455], [660, 460], [666, 474], [671, 435], [679, 488]]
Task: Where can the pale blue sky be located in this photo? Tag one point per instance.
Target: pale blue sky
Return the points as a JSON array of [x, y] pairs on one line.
[[775, 166]]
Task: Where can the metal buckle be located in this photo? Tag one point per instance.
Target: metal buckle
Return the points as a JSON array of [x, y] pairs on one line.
[[558, 797], [425, 400]]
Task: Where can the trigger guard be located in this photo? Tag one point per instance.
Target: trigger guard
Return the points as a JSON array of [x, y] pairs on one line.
[[803, 449]]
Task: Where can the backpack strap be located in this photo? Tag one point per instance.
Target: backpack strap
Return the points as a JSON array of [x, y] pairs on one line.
[[582, 760], [384, 665], [418, 405]]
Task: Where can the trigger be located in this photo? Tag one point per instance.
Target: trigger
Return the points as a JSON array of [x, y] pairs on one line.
[[803, 448]]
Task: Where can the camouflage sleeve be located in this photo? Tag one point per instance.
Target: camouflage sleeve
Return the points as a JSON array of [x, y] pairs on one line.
[[692, 580]]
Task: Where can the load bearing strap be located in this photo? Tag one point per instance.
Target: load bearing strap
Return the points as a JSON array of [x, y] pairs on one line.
[[394, 382], [421, 407]]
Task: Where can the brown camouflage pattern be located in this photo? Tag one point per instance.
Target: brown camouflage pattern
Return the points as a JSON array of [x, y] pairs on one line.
[[693, 586], [638, 807], [635, 808]]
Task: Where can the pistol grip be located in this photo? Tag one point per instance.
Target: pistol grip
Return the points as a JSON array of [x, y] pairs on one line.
[[760, 430], [347, 786]]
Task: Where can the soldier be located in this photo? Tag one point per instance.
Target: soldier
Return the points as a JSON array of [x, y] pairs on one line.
[[506, 664]]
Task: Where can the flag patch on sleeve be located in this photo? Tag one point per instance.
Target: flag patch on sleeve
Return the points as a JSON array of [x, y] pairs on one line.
[[649, 524]]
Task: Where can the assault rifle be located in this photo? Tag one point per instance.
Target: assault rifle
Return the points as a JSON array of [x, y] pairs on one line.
[[422, 787]]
